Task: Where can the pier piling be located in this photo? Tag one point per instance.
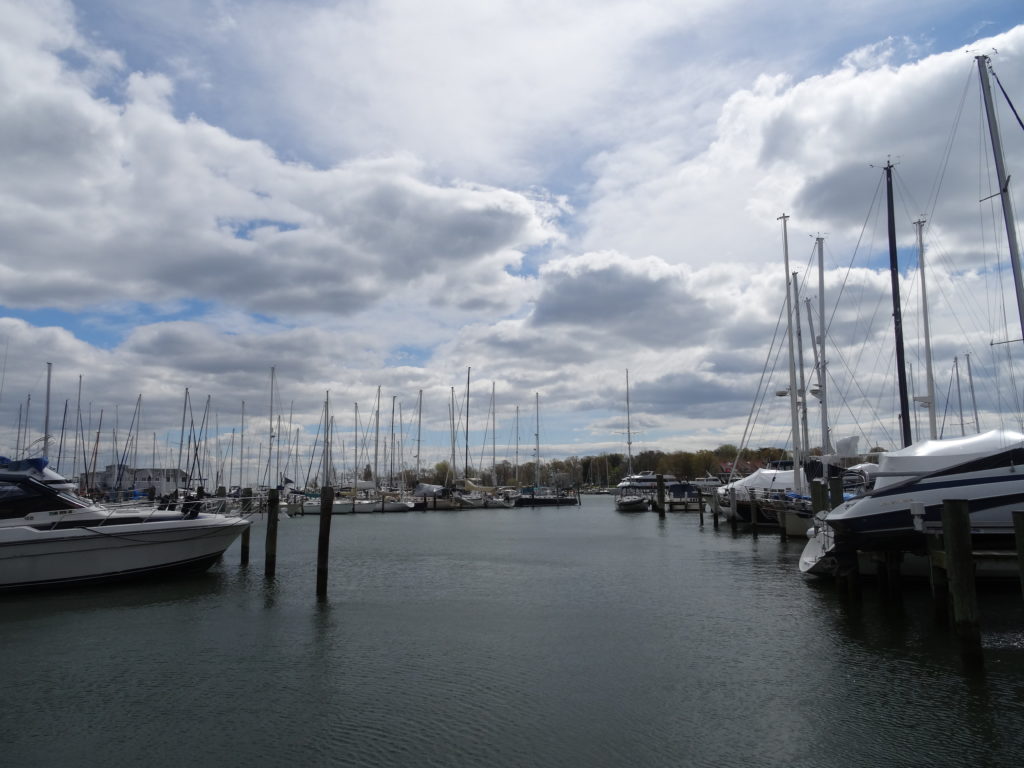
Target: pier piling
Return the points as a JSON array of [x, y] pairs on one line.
[[956, 533], [246, 509], [753, 514], [835, 492], [732, 506], [661, 496], [323, 543], [270, 561]]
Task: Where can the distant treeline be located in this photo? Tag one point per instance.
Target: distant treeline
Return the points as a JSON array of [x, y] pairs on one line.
[[607, 469]]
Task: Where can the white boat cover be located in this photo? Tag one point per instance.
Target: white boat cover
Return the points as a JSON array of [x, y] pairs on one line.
[[933, 455]]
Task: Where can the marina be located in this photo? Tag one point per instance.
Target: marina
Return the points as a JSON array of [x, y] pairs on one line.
[[507, 637], [286, 286]]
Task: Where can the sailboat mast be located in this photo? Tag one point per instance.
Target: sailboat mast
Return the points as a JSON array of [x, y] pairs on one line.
[[793, 409], [970, 386], [241, 451], [517, 446], [451, 419], [419, 428], [897, 315], [391, 452], [46, 417], [1004, 192], [959, 396], [376, 441], [494, 439], [536, 467], [629, 432], [929, 397], [78, 428], [802, 392], [826, 443], [466, 473]]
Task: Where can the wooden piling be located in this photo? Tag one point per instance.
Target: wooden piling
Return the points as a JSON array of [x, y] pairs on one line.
[[246, 509], [817, 496], [753, 514], [323, 543], [270, 558], [956, 534], [700, 507], [733, 522], [1018, 530], [661, 495], [835, 492]]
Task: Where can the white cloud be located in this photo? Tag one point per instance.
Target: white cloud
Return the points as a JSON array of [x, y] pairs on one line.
[[389, 192]]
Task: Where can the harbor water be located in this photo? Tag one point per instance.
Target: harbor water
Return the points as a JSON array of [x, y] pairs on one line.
[[570, 636]]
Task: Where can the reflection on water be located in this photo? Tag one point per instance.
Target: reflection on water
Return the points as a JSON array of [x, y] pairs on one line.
[[549, 637]]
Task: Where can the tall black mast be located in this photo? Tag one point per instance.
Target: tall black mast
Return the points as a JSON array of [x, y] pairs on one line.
[[897, 315]]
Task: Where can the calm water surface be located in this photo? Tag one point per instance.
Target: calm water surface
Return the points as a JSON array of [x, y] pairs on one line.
[[550, 637]]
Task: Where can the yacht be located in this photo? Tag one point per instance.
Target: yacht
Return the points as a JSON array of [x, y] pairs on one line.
[[906, 494], [49, 536]]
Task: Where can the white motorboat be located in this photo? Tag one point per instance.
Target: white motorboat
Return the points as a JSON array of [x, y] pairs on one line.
[[49, 536], [986, 470], [632, 502], [636, 492]]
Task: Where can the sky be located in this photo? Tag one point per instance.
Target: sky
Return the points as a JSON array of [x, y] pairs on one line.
[[388, 194]]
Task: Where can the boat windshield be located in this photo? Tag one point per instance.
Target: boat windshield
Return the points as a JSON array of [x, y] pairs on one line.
[[20, 497]]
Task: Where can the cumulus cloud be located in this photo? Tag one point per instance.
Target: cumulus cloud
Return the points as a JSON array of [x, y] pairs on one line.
[[128, 201], [382, 194]]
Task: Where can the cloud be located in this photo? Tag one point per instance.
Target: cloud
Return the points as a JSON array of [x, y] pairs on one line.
[[384, 194], [128, 201]]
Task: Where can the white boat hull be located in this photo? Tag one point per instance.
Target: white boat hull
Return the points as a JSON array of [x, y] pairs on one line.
[[30, 557]]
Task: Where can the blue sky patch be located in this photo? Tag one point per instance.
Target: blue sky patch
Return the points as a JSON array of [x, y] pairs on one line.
[[244, 230]]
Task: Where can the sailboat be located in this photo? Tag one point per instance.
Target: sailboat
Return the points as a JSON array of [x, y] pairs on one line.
[[906, 498], [538, 495], [777, 481], [630, 496]]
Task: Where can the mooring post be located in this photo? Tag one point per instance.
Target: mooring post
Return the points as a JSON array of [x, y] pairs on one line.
[[246, 501], [1018, 531], [835, 492], [732, 509], [956, 530], [270, 560], [782, 516], [700, 506], [716, 507], [661, 495], [323, 543], [817, 499], [753, 513]]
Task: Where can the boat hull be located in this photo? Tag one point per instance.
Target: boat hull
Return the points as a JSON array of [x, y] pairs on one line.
[[32, 558]]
